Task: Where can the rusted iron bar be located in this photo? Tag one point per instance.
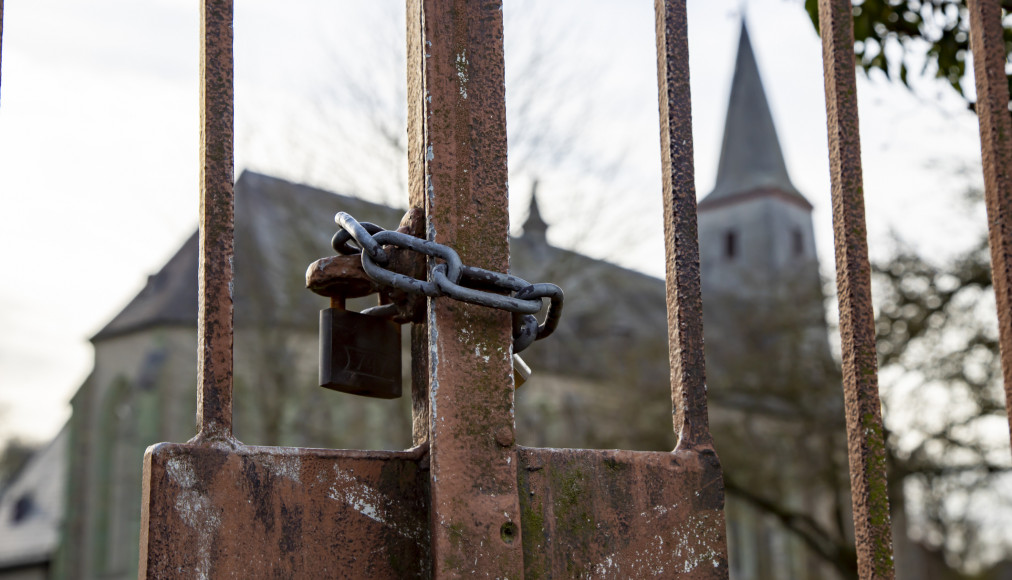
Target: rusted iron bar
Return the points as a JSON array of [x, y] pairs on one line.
[[420, 414], [988, 45], [865, 439], [214, 319], [681, 237], [1, 33], [475, 512]]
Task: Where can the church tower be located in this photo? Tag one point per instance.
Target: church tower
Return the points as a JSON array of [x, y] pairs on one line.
[[762, 294], [755, 228]]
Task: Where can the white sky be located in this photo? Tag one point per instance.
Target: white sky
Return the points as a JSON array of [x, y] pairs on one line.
[[99, 130]]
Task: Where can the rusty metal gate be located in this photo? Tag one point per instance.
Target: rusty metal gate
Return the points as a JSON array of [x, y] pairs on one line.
[[466, 500]]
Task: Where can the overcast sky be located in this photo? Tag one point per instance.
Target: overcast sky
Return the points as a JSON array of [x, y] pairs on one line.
[[99, 132]]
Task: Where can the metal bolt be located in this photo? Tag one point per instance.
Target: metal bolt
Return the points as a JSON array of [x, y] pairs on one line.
[[508, 532], [504, 436]]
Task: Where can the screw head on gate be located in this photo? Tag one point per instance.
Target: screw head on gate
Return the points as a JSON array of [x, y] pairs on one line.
[[360, 354]]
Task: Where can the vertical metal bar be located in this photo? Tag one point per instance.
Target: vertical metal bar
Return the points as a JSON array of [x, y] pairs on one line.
[[475, 511], [1, 33], [865, 439], [685, 306], [988, 45], [416, 199], [214, 320]]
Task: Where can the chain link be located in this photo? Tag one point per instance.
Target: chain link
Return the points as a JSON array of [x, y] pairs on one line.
[[450, 278]]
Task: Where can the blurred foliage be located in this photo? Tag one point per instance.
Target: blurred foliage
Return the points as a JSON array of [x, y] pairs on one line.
[[941, 390], [941, 382], [892, 35], [936, 330]]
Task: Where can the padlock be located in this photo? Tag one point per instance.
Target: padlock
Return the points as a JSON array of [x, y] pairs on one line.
[[521, 372], [359, 354]]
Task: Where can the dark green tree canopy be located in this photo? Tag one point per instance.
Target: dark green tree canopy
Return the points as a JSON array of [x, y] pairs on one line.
[[941, 27]]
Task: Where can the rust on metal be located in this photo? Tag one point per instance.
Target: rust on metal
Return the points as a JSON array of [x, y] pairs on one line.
[[1, 32], [865, 438], [272, 512], [214, 319], [416, 201], [340, 276], [458, 113], [987, 42], [621, 514], [684, 298]]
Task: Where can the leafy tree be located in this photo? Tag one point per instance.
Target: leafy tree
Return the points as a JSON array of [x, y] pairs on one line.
[[939, 28], [941, 377], [944, 409]]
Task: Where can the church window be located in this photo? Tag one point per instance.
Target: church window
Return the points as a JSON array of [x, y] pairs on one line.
[[22, 508], [730, 244], [798, 242]]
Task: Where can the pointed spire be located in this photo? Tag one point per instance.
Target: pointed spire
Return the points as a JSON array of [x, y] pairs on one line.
[[535, 226], [750, 157]]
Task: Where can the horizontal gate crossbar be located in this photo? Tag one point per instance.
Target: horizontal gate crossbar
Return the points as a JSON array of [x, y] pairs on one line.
[[621, 514], [215, 511], [316, 513]]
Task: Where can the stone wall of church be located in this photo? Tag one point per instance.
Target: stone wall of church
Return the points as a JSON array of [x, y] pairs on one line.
[[134, 397]]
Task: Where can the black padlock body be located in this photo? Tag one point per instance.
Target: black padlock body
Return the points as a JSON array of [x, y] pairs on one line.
[[360, 354]]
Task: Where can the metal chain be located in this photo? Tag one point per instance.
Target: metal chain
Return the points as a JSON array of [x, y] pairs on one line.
[[451, 278]]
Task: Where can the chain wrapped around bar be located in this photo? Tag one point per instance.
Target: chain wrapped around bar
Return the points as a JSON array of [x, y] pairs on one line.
[[451, 278]]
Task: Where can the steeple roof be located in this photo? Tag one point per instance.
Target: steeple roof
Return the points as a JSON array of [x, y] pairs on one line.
[[535, 226], [750, 157]]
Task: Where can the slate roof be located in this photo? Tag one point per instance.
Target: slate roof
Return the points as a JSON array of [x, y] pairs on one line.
[[611, 313], [165, 298], [750, 158], [535, 226], [280, 228], [32, 508]]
